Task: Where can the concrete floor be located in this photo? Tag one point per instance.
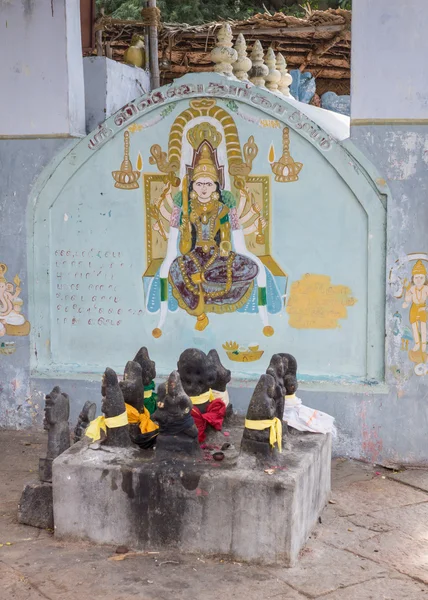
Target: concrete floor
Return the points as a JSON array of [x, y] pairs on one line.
[[372, 544]]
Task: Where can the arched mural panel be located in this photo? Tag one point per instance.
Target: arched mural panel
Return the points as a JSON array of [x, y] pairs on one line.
[[207, 223]]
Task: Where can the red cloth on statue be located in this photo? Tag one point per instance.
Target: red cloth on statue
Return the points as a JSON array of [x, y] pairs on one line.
[[216, 411]]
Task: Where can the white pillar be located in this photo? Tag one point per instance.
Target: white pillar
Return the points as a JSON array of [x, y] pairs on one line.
[[41, 69], [389, 60]]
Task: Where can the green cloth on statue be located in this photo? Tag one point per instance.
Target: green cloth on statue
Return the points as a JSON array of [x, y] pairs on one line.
[[150, 397]]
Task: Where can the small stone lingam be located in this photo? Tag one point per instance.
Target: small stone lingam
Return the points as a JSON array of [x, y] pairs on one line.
[[177, 429], [57, 413], [198, 374], [148, 373], [87, 414], [262, 433]]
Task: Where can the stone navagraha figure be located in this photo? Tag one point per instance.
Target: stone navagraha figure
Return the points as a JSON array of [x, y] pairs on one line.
[[36, 504], [198, 374], [57, 413], [142, 429], [114, 422], [177, 430], [263, 431], [87, 414], [148, 374]]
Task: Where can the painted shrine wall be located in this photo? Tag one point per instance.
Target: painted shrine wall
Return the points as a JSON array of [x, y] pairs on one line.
[[286, 254]]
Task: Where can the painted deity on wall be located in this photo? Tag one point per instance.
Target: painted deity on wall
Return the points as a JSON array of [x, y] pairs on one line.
[[12, 322], [414, 292], [416, 297], [206, 265]]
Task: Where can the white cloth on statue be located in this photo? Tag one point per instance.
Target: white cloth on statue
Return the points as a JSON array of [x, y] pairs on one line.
[[13, 318], [303, 418], [222, 395]]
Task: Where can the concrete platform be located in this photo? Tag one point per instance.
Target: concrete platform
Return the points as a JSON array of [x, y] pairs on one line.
[[366, 554], [233, 509]]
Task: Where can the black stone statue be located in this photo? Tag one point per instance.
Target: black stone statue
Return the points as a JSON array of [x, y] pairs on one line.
[[277, 369], [177, 430], [198, 374], [262, 407], [223, 377], [148, 373], [290, 377], [132, 385], [87, 414], [57, 412], [148, 367], [113, 405]]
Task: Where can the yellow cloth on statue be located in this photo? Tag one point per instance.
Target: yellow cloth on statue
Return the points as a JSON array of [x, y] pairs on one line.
[[148, 393], [143, 419], [94, 428], [202, 398], [275, 433]]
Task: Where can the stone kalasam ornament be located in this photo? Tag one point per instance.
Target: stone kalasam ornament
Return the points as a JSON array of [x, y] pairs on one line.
[[263, 430], [259, 71], [286, 79], [223, 55], [177, 429], [113, 407], [57, 412], [243, 64], [87, 414], [274, 76]]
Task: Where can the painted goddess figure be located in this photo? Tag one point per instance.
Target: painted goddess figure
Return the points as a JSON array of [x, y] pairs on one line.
[[207, 266]]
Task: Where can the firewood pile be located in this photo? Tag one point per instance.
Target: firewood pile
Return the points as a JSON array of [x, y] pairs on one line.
[[319, 43]]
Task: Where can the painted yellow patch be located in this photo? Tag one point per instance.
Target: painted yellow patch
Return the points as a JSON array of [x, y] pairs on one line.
[[317, 304], [270, 123], [135, 127], [271, 156]]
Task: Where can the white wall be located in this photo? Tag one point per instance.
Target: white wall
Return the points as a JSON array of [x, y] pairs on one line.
[[109, 85], [41, 69], [389, 59]]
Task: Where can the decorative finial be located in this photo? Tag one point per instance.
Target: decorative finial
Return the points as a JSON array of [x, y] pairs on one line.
[[243, 64], [274, 76], [223, 55], [286, 79], [126, 178], [259, 70], [286, 168]]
